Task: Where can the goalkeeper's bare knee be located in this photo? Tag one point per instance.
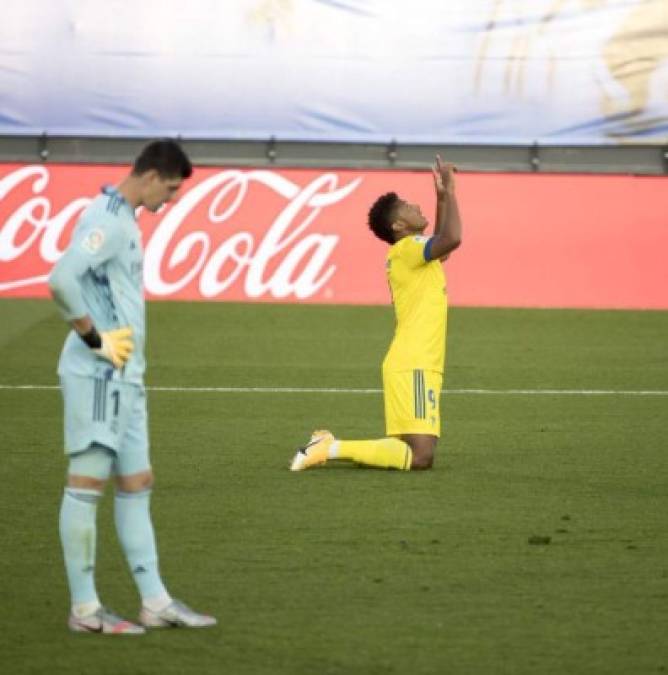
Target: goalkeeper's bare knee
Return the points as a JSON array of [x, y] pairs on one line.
[[136, 482]]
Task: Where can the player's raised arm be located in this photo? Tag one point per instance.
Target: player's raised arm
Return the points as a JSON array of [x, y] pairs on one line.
[[448, 226]]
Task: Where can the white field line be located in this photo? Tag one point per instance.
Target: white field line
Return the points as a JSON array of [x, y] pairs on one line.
[[326, 390]]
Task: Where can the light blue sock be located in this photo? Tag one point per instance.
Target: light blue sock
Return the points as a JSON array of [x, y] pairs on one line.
[[78, 537], [135, 531]]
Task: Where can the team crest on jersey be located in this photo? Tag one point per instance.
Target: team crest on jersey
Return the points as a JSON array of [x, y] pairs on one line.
[[93, 241], [421, 239]]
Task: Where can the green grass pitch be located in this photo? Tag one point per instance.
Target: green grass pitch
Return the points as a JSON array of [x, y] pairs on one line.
[[346, 570]]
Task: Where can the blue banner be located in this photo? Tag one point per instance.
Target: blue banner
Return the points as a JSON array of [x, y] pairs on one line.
[[427, 71]]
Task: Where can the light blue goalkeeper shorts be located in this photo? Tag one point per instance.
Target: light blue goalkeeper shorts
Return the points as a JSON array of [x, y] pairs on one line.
[[112, 414]]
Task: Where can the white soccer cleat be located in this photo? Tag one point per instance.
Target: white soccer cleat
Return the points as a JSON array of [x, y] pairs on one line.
[[103, 620], [175, 615], [314, 453]]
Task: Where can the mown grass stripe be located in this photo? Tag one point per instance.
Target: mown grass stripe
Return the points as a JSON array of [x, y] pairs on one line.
[[334, 390]]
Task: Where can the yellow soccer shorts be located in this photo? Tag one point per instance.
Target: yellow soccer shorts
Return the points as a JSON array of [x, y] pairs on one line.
[[412, 402]]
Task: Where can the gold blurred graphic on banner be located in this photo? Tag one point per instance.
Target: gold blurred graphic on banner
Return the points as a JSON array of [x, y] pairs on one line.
[[631, 56], [273, 16]]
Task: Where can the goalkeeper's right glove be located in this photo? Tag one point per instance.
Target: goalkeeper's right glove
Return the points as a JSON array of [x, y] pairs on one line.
[[114, 345]]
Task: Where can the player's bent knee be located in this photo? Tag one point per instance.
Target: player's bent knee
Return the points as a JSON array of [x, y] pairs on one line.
[[423, 447], [137, 482], [422, 460]]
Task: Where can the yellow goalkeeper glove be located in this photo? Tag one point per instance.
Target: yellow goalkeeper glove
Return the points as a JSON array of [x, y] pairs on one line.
[[114, 345]]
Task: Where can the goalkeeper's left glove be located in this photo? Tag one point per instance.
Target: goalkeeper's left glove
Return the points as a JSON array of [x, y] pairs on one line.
[[114, 345]]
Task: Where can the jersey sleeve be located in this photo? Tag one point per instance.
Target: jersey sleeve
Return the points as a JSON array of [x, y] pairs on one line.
[[414, 251], [92, 245]]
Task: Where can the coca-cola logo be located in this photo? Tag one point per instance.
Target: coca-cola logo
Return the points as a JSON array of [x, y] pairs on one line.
[[200, 240], [32, 224]]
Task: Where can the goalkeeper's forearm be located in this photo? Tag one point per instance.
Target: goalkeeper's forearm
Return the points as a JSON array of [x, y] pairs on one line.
[[82, 325]]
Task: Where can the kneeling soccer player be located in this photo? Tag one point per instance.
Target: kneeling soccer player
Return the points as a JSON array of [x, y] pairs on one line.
[[413, 366]]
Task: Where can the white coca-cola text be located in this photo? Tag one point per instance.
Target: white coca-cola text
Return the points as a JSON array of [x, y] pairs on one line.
[[285, 260]]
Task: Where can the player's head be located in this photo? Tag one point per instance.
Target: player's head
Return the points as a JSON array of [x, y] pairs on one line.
[[391, 218], [160, 169]]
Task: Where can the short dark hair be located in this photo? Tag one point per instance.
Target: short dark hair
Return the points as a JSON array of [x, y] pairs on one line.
[[382, 214], [164, 156]]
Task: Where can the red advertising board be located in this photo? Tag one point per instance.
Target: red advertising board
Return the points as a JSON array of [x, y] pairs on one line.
[[297, 235]]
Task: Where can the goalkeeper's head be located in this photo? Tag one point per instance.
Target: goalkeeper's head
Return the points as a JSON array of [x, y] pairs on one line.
[[158, 173]]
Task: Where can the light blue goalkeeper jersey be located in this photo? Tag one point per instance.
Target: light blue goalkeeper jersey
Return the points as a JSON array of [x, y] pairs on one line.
[[101, 275]]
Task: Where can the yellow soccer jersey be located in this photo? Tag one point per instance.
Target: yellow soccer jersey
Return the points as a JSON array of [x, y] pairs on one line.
[[420, 304]]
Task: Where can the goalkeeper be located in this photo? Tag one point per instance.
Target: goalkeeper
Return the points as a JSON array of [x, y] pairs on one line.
[[98, 286]]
